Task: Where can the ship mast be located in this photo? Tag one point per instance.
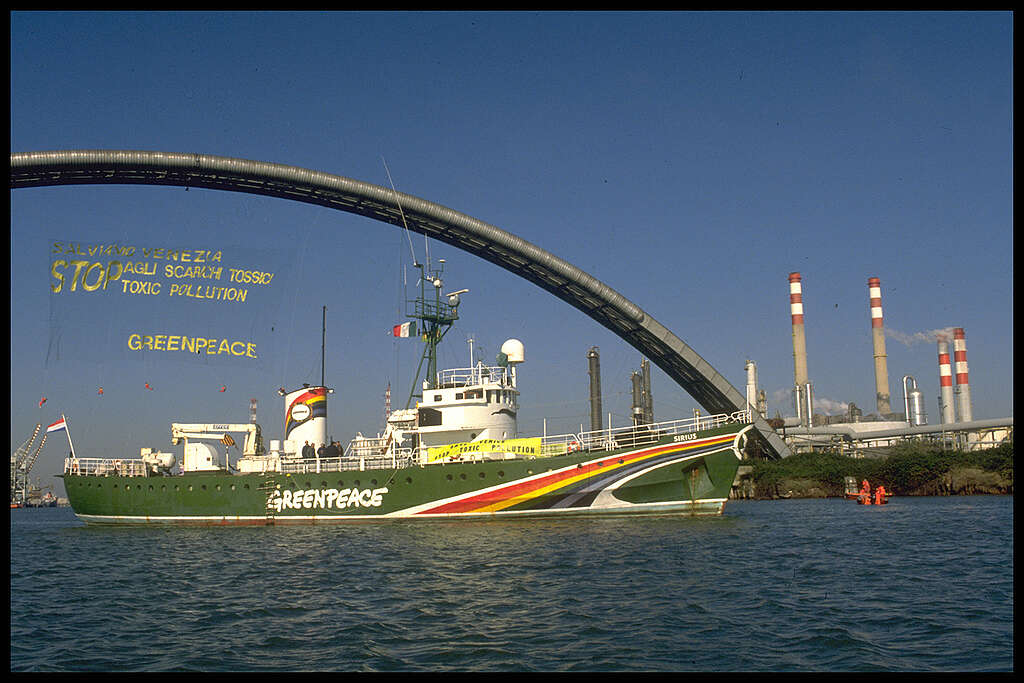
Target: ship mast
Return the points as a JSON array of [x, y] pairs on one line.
[[437, 314]]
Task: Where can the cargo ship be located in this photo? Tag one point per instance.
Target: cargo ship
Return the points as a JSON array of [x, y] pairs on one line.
[[453, 452]]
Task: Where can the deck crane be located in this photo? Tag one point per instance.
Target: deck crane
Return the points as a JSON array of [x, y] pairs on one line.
[[201, 457]]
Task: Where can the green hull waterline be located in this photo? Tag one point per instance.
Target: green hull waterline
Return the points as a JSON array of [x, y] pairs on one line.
[[688, 476]]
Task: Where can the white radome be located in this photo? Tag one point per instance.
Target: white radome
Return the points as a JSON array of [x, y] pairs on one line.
[[513, 348]]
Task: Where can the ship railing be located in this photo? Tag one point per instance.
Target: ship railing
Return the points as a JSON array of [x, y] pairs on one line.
[[394, 460], [460, 377], [612, 438], [103, 467]]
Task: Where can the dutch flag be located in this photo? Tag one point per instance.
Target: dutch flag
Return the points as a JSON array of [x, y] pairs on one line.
[[57, 426]]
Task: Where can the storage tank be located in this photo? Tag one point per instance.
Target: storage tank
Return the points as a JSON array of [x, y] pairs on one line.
[[913, 401]]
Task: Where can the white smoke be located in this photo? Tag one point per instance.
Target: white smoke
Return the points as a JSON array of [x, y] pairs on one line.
[[824, 406], [830, 407], [929, 336]]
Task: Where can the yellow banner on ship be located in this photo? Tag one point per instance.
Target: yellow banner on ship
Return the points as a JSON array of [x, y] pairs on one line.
[[529, 446]]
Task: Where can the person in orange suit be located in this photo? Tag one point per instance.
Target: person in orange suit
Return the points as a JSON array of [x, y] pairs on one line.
[[880, 495], [865, 493]]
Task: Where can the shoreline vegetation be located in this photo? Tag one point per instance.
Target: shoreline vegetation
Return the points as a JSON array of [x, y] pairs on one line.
[[916, 469]]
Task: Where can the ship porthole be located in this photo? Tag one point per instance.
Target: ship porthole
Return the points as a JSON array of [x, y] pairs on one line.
[[218, 487], [246, 486], [190, 487], [501, 473], [462, 476], [232, 487], [150, 487], [481, 475], [448, 477], [340, 483], [408, 480], [373, 482]]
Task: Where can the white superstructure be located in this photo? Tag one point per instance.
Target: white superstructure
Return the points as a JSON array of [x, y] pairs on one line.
[[463, 405]]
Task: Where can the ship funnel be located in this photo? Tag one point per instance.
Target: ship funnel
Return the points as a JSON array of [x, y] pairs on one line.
[[878, 338], [305, 418]]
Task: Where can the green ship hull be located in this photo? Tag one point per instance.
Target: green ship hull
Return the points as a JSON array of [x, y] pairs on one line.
[[688, 474]]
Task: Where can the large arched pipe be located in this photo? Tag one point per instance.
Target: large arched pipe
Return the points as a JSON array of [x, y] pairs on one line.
[[567, 282]]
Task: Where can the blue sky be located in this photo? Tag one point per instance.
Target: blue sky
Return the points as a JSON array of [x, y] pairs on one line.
[[691, 161]]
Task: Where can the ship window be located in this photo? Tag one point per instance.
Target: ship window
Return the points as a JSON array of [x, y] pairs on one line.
[[428, 417], [459, 397], [475, 393], [437, 397]]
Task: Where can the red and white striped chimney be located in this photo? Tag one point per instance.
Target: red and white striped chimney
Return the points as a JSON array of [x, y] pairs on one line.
[[945, 382], [878, 339], [960, 366], [796, 312]]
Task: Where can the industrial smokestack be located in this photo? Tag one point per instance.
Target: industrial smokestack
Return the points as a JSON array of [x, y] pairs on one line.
[[796, 311], [751, 369], [962, 386], [648, 402], [945, 383], [594, 363], [878, 337], [637, 382]]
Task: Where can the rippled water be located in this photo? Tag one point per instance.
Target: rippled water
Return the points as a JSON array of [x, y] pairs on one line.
[[922, 584]]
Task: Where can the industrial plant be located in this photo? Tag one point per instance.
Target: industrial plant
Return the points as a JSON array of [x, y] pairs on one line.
[[851, 433]]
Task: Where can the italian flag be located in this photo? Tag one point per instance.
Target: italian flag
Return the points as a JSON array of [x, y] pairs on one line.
[[404, 330]]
